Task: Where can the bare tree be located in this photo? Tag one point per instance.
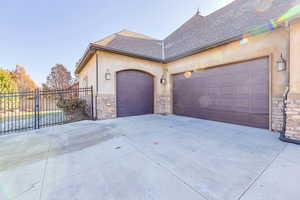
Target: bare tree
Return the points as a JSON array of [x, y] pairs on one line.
[[59, 78]]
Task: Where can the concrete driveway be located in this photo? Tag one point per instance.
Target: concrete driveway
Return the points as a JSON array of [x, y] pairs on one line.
[[149, 157]]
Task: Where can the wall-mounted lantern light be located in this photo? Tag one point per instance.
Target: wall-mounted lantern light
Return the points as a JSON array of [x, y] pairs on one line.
[[281, 64], [163, 80], [107, 75]]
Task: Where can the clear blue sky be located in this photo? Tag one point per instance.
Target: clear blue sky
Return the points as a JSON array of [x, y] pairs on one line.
[[41, 33]]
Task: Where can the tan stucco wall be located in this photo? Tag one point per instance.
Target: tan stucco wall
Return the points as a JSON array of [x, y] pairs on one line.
[[271, 44], [293, 102], [114, 63], [295, 57], [90, 71], [268, 44]]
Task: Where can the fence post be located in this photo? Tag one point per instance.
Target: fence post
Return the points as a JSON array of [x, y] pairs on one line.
[[92, 99], [36, 109]]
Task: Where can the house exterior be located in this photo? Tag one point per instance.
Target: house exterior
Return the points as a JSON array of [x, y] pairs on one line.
[[234, 65]]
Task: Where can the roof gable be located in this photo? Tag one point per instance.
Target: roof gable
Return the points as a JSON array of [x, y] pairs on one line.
[[198, 33], [133, 43], [237, 18]]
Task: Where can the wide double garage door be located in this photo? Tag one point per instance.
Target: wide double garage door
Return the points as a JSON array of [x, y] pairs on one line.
[[135, 93], [236, 93]]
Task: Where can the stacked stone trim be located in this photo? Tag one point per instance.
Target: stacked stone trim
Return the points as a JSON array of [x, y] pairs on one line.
[[277, 113], [106, 105], [163, 104], [293, 117]]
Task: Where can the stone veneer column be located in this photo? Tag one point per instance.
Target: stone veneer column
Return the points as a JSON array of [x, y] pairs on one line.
[[293, 102], [163, 104], [106, 106], [163, 100], [277, 113], [293, 116]]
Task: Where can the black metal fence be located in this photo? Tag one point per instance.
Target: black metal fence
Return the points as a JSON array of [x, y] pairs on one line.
[[21, 111]]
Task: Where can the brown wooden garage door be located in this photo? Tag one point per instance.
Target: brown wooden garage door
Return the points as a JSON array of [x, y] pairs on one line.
[[236, 93], [135, 93]]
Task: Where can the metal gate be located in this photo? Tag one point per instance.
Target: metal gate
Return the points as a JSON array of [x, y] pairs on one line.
[[22, 111]]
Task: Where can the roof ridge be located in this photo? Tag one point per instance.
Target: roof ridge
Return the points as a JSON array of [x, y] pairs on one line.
[[227, 5], [141, 34], [138, 38], [198, 14], [104, 38], [201, 33], [184, 24]]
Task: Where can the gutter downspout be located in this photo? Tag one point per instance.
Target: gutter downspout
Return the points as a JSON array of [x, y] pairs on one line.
[[283, 136]]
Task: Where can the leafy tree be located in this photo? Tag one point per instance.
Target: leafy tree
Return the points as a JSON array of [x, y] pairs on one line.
[[23, 80], [59, 78], [7, 85]]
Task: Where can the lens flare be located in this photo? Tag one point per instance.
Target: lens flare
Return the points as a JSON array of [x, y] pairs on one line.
[[271, 25], [290, 13], [245, 40], [187, 74], [199, 69]]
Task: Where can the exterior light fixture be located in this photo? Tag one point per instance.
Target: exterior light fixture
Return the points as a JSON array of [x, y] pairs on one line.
[[107, 75], [281, 64], [163, 80], [187, 74]]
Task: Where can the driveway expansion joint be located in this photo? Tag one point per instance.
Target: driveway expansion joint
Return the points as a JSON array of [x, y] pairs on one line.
[[262, 172], [165, 168], [45, 170], [152, 161]]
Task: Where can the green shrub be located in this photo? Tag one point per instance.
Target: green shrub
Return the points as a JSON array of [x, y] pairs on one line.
[[73, 106]]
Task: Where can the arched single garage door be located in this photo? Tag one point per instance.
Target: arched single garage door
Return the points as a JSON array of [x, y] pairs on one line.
[[135, 93], [236, 93]]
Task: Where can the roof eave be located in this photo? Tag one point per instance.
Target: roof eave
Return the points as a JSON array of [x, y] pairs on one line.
[[86, 56], [199, 50], [211, 46], [93, 47], [126, 53]]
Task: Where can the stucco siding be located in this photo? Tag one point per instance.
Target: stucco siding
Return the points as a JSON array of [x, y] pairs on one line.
[[271, 44], [113, 63], [295, 57], [268, 44], [88, 71], [293, 102]]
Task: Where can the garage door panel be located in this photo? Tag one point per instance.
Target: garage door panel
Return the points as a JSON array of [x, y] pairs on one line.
[[236, 93], [135, 93]]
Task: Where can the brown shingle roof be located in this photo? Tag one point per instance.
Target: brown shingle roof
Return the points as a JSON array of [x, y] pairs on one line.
[[198, 33], [239, 17], [139, 46]]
